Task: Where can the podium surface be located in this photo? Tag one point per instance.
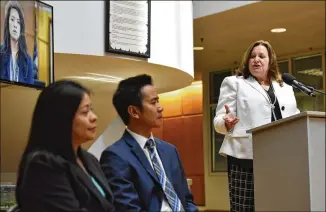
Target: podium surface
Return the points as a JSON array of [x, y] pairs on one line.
[[289, 163]]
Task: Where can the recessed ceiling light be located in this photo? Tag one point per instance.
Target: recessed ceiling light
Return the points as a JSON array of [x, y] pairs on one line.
[[278, 30], [198, 48]]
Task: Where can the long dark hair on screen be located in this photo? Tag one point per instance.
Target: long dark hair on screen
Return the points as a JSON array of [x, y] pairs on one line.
[[5, 50]]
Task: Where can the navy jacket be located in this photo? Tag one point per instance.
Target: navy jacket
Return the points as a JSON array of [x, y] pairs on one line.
[[133, 181], [25, 68]]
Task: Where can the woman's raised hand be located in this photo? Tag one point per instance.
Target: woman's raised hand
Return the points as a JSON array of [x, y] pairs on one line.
[[229, 119]]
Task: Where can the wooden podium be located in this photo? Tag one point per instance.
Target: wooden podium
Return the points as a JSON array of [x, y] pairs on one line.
[[289, 163]]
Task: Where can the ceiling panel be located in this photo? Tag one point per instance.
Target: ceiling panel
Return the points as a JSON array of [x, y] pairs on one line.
[[228, 34]]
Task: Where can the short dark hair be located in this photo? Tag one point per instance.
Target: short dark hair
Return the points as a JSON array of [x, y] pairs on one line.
[[129, 93]]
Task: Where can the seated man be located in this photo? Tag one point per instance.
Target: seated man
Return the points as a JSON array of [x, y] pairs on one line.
[[144, 173]]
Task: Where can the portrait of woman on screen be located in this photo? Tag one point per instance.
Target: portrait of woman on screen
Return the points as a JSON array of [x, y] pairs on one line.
[[15, 63]]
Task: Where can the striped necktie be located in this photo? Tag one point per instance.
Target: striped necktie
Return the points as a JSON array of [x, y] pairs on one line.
[[167, 187]]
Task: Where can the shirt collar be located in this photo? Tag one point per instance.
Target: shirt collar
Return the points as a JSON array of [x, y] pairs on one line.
[[141, 140]]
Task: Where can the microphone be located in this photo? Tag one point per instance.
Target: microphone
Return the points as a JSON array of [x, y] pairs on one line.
[[291, 80]]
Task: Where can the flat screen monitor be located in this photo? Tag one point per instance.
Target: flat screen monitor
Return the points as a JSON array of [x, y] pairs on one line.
[[26, 43]]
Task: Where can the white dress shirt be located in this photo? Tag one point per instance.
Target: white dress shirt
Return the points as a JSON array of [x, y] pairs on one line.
[[141, 140]]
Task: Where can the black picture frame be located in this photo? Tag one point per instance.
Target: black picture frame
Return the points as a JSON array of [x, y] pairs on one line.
[[51, 72], [39, 85], [108, 38]]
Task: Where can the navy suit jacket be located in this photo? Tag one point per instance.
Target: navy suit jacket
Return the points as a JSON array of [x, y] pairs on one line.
[[133, 181], [25, 69]]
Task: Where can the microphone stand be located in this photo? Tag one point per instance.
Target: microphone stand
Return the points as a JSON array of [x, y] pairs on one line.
[[310, 93], [315, 90]]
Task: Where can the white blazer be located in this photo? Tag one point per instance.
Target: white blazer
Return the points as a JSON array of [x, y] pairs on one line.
[[250, 103]]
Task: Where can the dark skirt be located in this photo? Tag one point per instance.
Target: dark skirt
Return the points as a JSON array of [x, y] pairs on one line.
[[241, 185]]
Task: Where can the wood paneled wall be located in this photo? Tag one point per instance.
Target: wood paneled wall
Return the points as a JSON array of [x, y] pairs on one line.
[[182, 127]]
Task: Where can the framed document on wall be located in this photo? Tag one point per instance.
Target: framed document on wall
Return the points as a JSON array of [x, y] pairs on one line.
[[128, 27]]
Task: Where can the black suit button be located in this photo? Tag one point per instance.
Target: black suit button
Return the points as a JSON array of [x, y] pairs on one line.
[[282, 108]]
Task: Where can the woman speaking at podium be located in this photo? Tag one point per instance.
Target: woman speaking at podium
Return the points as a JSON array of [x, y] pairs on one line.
[[254, 97]]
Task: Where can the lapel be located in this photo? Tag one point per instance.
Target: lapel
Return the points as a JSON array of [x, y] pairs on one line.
[[253, 83], [7, 68], [165, 158], [278, 92], [137, 150], [86, 180]]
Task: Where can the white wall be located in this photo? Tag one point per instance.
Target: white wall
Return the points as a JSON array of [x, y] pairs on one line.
[[112, 133], [83, 32], [205, 8], [172, 34], [79, 29]]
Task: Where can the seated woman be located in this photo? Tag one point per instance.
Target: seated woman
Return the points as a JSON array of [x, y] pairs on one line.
[[55, 173]]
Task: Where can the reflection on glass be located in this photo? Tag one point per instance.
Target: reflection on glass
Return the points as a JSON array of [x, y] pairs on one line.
[[215, 81], [7, 195], [307, 103], [284, 66], [308, 70], [219, 163]]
